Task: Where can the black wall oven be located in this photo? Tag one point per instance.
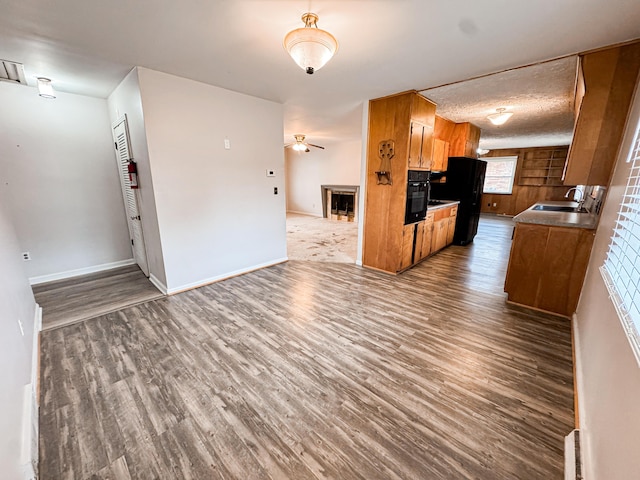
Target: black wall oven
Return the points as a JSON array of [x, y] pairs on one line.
[[417, 196]]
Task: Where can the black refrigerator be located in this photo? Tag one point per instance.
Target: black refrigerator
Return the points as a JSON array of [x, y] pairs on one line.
[[464, 182]]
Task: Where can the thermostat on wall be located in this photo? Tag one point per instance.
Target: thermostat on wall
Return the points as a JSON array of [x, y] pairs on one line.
[[271, 173]]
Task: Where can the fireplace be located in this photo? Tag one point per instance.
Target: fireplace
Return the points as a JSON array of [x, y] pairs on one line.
[[340, 202]]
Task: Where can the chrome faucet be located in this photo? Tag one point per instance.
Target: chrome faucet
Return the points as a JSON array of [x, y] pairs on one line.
[[577, 190]]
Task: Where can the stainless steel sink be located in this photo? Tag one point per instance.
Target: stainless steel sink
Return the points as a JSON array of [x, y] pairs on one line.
[[559, 208]]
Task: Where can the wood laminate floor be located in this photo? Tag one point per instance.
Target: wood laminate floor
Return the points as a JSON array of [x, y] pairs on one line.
[[73, 300], [310, 370]]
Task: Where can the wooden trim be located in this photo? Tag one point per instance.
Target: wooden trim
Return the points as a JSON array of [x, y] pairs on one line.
[[576, 409], [529, 307]]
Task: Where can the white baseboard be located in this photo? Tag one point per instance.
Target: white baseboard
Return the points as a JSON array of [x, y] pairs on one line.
[[80, 271], [158, 284], [309, 214], [208, 281], [582, 414]]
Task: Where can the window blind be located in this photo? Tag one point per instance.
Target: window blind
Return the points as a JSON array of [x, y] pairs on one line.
[[621, 269]]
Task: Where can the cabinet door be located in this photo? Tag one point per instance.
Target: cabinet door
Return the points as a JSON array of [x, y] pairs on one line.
[[451, 228], [426, 155], [439, 239], [415, 145], [407, 246], [417, 250], [427, 236], [440, 155]]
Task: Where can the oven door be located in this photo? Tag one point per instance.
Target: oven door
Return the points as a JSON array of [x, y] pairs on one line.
[[417, 200]]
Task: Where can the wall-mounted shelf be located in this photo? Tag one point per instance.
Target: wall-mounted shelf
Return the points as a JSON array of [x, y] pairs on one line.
[[543, 167]]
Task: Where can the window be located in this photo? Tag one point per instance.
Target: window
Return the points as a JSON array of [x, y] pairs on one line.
[[500, 173], [621, 269]]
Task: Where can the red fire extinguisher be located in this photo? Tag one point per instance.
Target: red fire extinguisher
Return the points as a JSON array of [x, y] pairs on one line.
[[132, 168]]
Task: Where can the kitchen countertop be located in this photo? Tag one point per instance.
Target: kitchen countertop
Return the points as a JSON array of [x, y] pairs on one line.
[[557, 219], [444, 204]]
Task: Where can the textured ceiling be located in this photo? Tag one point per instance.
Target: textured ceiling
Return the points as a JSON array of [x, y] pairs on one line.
[[386, 46], [540, 96]]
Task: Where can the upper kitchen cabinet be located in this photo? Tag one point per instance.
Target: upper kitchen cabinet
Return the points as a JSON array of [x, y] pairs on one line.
[[607, 78], [453, 140]]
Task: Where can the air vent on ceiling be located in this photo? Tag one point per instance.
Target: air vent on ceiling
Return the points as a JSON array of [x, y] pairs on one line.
[[12, 72]]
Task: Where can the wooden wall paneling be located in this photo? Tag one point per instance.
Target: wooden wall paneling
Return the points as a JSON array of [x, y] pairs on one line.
[[523, 196]]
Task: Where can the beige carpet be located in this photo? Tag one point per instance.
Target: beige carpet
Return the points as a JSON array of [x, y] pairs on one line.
[[321, 240]]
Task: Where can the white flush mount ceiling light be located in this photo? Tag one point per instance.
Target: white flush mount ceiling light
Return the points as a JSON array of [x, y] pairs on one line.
[[310, 47], [45, 89], [501, 117]]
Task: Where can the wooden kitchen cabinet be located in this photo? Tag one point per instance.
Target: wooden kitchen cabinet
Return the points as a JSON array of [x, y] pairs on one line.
[[452, 139], [609, 77], [408, 235], [440, 229], [465, 140], [427, 235], [451, 229], [385, 245], [440, 159], [420, 146], [547, 266]]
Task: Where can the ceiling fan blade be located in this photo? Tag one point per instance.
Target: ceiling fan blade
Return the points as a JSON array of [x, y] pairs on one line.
[[317, 146], [289, 144]]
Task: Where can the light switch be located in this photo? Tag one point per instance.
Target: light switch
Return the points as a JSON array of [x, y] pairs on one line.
[[271, 173]]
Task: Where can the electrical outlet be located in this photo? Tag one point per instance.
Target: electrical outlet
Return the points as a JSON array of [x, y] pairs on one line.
[[275, 190], [227, 144], [26, 256]]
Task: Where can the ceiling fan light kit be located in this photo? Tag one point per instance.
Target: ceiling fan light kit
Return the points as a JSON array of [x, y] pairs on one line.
[[500, 117], [310, 47], [300, 145]]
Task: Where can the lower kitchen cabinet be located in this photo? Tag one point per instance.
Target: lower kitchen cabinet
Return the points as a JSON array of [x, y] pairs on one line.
[[408, 235], [547, 266], [421, 239], [427, 235]]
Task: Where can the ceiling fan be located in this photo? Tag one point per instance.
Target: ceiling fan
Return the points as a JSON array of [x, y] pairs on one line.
[[300, 145]]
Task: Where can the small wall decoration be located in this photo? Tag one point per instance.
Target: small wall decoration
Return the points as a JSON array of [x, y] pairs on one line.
[[386, 151]]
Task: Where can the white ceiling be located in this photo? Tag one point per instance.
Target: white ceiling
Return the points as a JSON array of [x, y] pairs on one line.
[[386, 46]]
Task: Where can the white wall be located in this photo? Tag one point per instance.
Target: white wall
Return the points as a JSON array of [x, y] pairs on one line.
[[338, 164], [58, 168], [16, 348], [607, 373], [125, 100], [217, 213]]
